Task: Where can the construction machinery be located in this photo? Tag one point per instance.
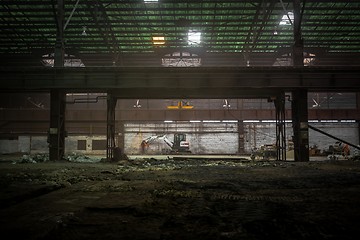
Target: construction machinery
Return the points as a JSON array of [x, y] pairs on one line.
[[178, 146], [265, 152]]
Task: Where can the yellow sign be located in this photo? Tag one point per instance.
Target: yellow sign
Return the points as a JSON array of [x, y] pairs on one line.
[[181, 105]]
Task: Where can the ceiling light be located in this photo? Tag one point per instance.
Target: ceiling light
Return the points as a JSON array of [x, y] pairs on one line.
[[158, 40], [151, 1], [194, 37], [137, 104], [287, 19], [84, 31]]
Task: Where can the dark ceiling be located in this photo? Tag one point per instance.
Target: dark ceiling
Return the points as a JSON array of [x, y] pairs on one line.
[[233, 32]]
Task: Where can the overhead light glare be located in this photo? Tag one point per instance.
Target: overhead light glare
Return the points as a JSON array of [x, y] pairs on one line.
[[194, 37], [287, 19], [251, 121], [329, 121], [158, 40], [348, 121]]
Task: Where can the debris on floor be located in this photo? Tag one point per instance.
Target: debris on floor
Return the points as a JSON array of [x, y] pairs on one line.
[[149, 198], [34, 158], [80, 158]]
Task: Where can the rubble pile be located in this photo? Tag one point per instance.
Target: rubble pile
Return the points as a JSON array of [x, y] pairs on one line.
[[35, 158], [77, 157], [44, 157]]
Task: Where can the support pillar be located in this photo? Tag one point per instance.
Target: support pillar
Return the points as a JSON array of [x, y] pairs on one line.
[[280, 127], [56, 134], [299, 107], [358, 109], [121, 136], [298, 46], [299, 97], [110, 127], [59, 51], [241, 141]]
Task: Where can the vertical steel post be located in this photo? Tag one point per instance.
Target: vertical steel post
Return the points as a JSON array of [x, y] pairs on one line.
[[298, 45], [299, 104], [59, 44], [280, 127], [241, 134], [56, 133], [110, 127], [299, 107], [121, 135]]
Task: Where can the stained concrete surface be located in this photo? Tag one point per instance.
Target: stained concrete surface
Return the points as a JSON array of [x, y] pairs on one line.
[[149, 198]]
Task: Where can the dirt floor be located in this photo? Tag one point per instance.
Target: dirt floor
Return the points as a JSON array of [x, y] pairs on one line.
[[181, 198]]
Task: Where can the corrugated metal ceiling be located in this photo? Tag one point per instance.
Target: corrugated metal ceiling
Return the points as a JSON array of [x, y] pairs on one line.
[[118, 29]]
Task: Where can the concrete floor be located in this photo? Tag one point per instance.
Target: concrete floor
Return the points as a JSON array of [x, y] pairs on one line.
[[149, 198]]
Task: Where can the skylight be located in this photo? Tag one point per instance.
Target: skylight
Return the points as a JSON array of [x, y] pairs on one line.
[[287, 19], [194, 37]]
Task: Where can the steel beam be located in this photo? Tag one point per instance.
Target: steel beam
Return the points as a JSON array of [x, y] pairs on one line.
[[30, 116], [203, 82]]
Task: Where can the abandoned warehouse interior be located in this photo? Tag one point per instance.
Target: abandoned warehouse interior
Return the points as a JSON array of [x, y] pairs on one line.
[[146, 119]]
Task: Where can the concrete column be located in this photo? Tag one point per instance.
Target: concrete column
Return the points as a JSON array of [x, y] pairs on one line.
[[121, 135], [299, 97], [56, 134], [299, 109]]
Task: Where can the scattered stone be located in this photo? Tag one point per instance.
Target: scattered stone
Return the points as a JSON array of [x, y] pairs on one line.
[[36, 158]]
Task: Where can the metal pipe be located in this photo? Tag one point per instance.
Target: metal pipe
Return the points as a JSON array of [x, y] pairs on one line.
[[71, 14], [286, 12]]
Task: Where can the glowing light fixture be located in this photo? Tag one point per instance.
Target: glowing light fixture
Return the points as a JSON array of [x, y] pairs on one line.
[[194, 37], [158, 40], [151, 1], [84, 31], [287, 19]]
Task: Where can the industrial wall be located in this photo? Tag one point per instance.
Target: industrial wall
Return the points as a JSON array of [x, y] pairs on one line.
[[204, 137], [39, 144], [223, 137]]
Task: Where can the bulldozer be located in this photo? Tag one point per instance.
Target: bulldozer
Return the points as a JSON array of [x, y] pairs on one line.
[[178, 146]]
